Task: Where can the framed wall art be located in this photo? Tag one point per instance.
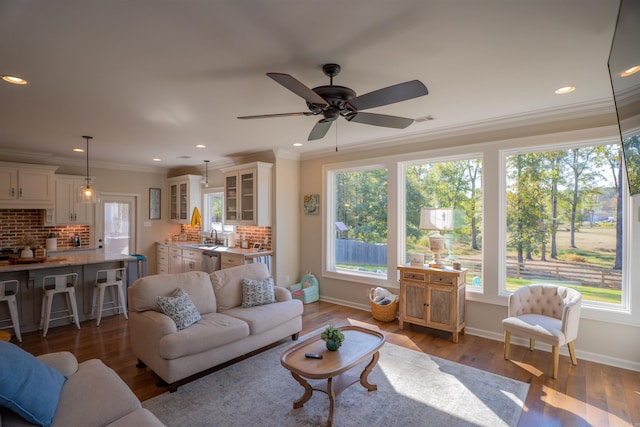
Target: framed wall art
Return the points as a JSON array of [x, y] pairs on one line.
[[311, 204], [154, 203]]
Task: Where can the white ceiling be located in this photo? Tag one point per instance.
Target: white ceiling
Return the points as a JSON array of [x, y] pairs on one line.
[[153, 78]]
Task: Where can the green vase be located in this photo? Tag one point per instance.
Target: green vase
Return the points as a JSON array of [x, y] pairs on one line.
[[332, 345]]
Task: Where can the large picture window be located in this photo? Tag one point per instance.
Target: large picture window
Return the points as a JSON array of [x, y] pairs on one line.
[[357, 221], [565, 220], [456, 186]]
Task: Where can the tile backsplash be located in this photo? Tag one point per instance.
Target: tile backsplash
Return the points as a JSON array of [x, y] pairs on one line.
[[16, 225]]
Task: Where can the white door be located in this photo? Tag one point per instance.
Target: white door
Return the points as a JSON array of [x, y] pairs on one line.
[[118, 223]]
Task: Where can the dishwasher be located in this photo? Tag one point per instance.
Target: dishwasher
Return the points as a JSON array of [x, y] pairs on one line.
[[210, 261]]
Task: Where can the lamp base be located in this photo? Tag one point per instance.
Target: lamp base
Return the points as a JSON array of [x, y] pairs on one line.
[[438, 265]]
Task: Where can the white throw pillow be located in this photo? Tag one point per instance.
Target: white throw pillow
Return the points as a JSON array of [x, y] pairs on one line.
[[180, 308], [257, 292]]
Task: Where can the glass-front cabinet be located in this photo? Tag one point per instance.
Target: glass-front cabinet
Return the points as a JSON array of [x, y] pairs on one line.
[[184, 196], [248, 194]]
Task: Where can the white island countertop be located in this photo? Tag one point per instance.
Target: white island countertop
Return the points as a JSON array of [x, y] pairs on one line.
[[65, 260]]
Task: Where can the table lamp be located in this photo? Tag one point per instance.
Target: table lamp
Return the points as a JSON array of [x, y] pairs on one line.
[[437, 219]]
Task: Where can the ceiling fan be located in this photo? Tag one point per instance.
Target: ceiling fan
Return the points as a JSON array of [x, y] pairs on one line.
[[335, 101]]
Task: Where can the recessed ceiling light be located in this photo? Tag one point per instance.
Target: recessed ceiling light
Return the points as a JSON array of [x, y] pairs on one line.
[[14, 79], [631, 71], [201, 146], [156, 159], [565, 89], [298, 144], [79, 150]]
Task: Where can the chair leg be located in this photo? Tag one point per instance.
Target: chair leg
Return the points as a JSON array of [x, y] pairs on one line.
[[93, 302], [572, 353], [532, 344], [507, 344], [123, 301], [101, 289], [74, 307], [13, 310], [47, 313], [555, 355]]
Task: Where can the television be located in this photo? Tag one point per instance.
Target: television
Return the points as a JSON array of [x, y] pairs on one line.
[[624, 71]]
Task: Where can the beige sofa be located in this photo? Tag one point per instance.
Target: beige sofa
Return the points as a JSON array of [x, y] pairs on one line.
[[226, 330], [93, 396]]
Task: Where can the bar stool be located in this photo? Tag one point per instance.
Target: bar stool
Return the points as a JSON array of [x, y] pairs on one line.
[[109, 279], [58, 284], [8, 292]]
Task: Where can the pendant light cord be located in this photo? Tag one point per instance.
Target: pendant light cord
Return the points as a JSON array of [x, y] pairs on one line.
[[87, 138]]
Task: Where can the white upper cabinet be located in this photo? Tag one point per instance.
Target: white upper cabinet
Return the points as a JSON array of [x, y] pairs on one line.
[[27, 186], [247, 194], [69, 210], [184, 196]]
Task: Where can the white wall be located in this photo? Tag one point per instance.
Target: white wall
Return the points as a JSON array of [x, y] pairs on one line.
[[615, 341]]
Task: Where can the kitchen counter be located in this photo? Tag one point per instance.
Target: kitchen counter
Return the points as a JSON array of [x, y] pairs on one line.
[[65, 260], [248, 253]]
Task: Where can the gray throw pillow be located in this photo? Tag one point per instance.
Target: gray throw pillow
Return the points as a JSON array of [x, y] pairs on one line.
[[257, 292], [180, 308]]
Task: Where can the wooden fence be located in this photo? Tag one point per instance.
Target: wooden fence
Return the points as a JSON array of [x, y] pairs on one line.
[[360, 253]]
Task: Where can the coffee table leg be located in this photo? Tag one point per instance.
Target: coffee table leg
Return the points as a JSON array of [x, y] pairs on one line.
[[307, 391], [365, 374], [332, 400]]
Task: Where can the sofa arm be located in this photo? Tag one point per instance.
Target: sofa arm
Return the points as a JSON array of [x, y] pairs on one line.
[[282, 294], [62, 361]]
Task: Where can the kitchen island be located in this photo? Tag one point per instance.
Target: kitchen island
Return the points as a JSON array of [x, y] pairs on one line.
[[30, 276]]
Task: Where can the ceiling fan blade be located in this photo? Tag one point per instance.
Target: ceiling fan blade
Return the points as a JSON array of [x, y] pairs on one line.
[[266, 116], [298, 88], [389, 95], [380, 120], [320, 129]]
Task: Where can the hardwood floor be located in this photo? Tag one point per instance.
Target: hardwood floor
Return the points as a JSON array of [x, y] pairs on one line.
[[587, 394]]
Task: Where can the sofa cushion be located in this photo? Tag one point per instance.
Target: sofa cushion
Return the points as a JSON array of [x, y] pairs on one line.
[[257, 292], [144, 291], [180, 308], [213, 330], [263, 318], [227, 283], [28, 386], [94, 396]]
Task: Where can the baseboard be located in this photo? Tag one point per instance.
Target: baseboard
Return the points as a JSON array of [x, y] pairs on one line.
[[498, 336]]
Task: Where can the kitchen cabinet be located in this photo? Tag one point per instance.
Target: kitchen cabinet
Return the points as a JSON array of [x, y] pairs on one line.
[[228, 260], [27, 186], [184, 196], [68, 209], [179, 260], [162, 256], [433, 298], [247, 194], [191, 260]]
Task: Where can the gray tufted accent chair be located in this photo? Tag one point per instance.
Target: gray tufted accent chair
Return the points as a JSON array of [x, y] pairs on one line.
[[546, 313]]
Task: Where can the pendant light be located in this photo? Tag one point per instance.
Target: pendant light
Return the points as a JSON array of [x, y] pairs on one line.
[[205, 182], [88, 193]]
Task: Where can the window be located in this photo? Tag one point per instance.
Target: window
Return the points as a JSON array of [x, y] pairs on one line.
[[212, 211], [448, 184], [564, 221], [357, 221]]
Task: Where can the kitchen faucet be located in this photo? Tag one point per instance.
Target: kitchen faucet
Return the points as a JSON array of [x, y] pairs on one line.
[[215, 242]]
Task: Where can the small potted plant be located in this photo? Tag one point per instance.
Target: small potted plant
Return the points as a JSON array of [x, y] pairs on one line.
[[333, 337]]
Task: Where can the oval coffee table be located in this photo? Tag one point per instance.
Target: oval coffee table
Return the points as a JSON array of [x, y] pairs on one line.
[[359, 344]]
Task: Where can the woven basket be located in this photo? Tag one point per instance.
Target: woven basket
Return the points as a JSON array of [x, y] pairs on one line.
[[383, 313]]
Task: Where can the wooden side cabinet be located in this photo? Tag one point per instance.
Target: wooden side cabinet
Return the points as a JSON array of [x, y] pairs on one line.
[[433, 298]]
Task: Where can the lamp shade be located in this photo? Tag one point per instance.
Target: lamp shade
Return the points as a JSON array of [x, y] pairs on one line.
[[436, 219]]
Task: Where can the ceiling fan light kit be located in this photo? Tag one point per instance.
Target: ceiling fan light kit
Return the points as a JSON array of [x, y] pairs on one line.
[[333, 101]]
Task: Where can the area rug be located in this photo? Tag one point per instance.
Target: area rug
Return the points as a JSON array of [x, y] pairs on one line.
[[414, 389]]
